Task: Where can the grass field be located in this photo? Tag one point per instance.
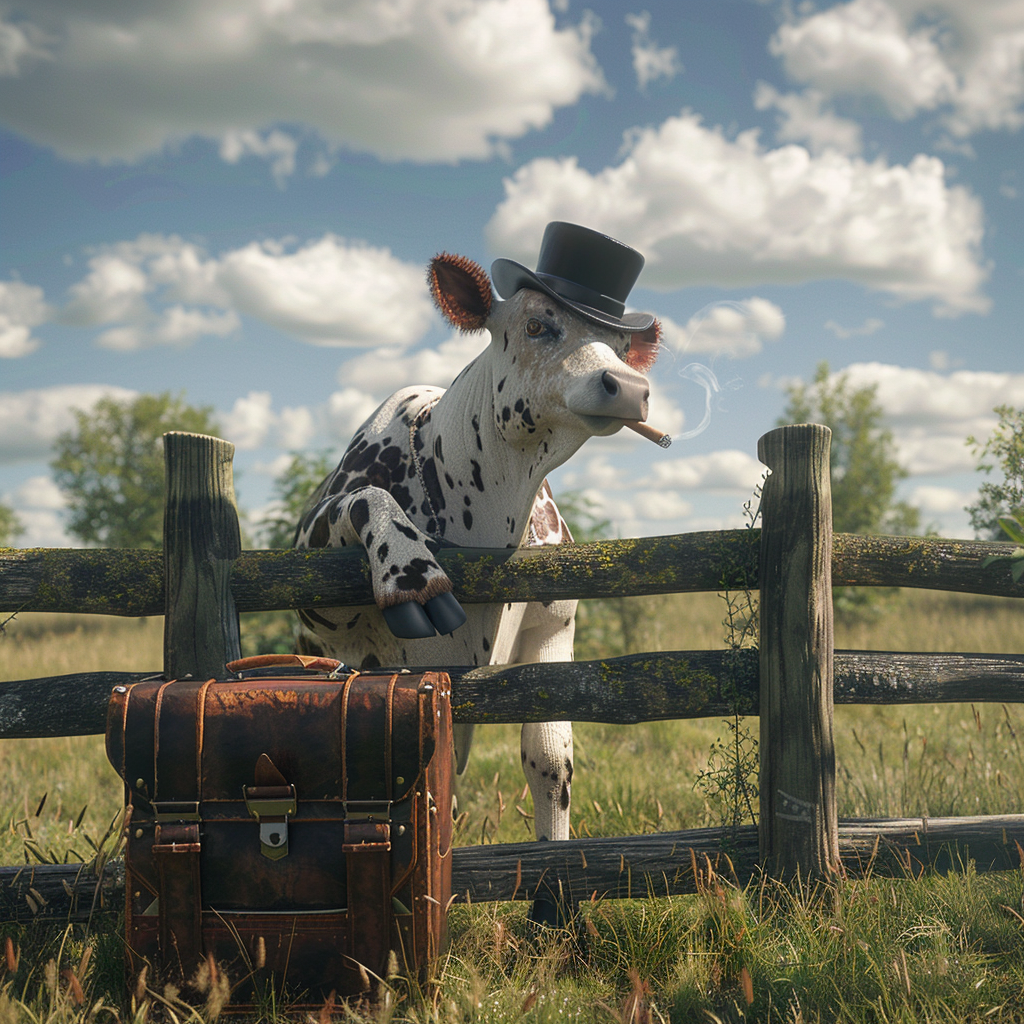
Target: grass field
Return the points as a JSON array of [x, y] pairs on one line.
[[947, 948]]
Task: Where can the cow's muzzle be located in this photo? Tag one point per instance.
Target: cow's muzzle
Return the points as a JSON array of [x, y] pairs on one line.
[[611, 394], [627, 396]]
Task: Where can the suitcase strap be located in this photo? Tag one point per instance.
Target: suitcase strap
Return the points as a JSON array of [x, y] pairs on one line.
[[366, 719], [177, 753]]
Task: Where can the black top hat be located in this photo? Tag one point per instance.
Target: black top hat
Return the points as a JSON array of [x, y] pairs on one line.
[[584, 270]]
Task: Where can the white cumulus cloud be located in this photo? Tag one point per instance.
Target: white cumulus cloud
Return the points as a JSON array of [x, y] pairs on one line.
[[650, 61], [329, 292], [381, 371], [427, 80], [707, 209], [39, 505], [296, 427], [644, 504], [347, 410], [870, 326], [933, 500], [802, 118], [39, 492], [253, 423], [250, 420], [727, 470], [736, 329], [659, 506], [22, 307], [931, 414], [278, 147], [963, 58], [31, 420], [162, 290]]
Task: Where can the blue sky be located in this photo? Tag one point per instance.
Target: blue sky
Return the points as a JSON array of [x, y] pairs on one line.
[[236, 200]]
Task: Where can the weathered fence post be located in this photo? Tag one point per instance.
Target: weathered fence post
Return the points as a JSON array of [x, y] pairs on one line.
[[201, 540], [798, 824]]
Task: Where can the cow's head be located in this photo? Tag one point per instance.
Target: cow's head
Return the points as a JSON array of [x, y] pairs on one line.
[[554, 371]]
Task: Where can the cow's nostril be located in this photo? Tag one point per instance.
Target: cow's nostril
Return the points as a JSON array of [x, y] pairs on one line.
[[611, 385]]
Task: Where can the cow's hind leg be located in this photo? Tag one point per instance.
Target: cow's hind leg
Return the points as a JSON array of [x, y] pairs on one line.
[[546, 747], [546, 750]]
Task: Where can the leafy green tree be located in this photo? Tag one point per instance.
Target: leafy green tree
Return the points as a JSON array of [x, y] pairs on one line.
[[111, 466], [1004, 448], [293, 491], [864, 468], [10, 526], [276, 632]]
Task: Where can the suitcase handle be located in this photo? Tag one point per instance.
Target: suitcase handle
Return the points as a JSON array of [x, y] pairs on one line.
[[303, 661]]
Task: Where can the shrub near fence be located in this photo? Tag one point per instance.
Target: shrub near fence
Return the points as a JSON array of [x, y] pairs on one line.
[[202, 580]]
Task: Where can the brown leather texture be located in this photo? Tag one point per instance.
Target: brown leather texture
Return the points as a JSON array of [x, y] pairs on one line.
[[294, 825]]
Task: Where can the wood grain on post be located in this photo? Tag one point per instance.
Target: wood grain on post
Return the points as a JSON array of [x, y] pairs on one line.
[[798, 825], [201, 541]]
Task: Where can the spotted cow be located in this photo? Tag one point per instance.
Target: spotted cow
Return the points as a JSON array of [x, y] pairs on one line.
[[466, 466]]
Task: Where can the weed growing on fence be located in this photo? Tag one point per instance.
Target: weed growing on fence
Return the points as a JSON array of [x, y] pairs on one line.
[[729, 782]]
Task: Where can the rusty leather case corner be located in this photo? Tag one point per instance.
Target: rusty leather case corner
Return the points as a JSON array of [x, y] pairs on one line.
[[368, 865]]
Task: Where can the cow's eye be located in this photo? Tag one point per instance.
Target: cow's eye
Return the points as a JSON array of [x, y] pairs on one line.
[[534, 327]]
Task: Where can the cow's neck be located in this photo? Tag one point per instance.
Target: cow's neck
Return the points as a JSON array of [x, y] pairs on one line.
[[510, 473]]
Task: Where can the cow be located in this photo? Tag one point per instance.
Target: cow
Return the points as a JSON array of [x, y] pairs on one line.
[[467, 466]]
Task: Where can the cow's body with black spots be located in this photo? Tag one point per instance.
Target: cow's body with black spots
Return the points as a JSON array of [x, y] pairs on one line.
[[467, 466]]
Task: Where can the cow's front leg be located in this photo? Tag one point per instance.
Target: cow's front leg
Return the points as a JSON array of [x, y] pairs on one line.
[[409, 587]]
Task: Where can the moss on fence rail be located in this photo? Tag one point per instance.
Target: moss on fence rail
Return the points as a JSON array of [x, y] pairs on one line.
[[128, 582], [107, 581], [930, 563], [123, 582]]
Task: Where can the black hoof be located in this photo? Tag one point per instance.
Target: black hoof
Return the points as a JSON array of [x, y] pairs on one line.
[[445, 613], [549, 913], [409, 621]]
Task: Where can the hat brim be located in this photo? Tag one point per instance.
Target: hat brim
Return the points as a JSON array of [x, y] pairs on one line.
[[509, 277]]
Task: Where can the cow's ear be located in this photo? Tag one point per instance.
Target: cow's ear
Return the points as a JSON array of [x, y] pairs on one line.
[[461, 290], [644, 347]]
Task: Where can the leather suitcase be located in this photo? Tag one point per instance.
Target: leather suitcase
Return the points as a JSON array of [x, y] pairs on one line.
[[293, 822]]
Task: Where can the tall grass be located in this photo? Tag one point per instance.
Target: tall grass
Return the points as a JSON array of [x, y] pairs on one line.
[[946, 948]]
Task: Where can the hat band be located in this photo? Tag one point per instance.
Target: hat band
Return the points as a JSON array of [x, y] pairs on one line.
[[587, 296]]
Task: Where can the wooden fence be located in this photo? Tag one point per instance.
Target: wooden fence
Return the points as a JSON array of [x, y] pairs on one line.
[[202, 580]]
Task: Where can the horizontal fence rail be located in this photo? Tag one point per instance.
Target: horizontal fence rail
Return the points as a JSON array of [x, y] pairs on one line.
[[131, 583], [625, 691], [658, 864], [202, 580]]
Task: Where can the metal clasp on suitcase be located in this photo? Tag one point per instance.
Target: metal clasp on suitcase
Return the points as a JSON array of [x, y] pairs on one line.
[[271, 806], [367, 826], [176, 810]]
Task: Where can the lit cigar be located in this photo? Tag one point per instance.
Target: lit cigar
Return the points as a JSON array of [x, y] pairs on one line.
[[651, 433]]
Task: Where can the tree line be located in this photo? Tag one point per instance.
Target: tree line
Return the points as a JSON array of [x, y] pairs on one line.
[[110, 468]]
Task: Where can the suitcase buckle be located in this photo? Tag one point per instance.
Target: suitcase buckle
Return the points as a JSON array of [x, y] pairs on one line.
[[271, 806], [176, 810], [367, 810]]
